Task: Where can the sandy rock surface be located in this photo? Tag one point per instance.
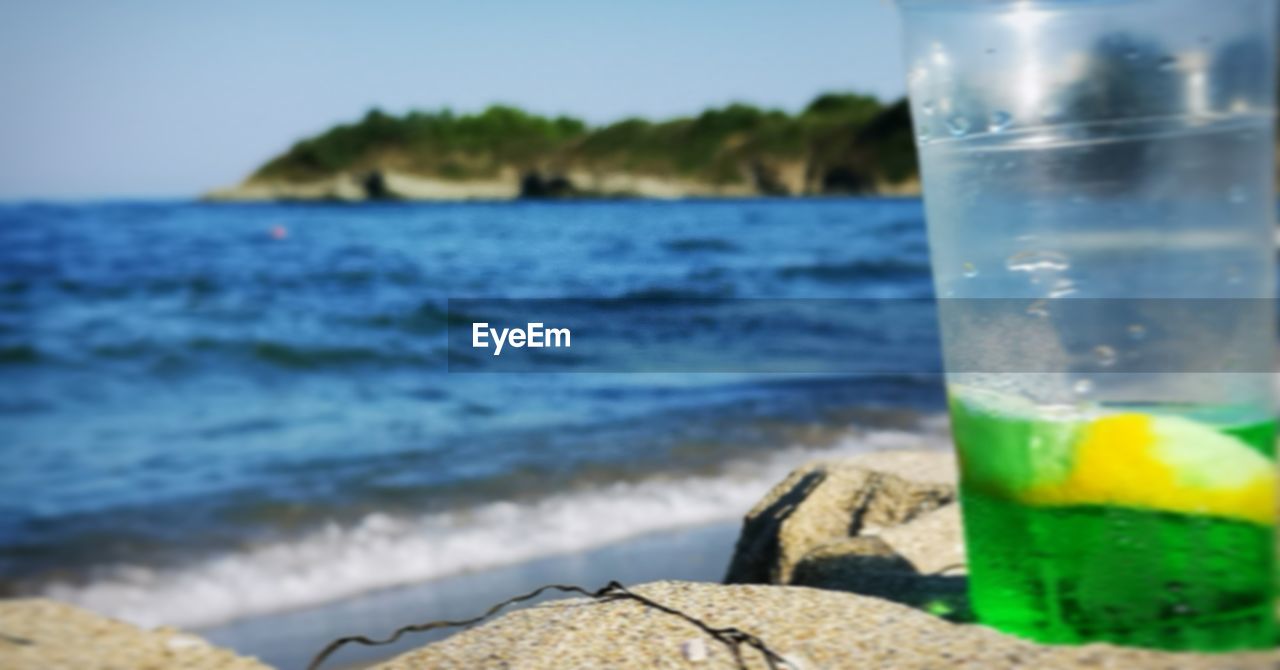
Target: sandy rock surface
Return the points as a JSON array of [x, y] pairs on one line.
[[46, 635], [811, 628]]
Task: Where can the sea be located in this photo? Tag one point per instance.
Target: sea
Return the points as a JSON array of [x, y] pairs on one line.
[[214, 412]]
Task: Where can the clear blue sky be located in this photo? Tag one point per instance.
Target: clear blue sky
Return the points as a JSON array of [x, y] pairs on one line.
[[135, 98]]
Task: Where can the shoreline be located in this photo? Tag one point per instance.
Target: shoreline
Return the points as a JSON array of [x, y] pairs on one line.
[[380, 185], [382, 551], [219, 198], [290, 639]]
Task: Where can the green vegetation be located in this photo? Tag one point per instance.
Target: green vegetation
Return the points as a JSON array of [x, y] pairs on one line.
[[839, 142], [452, 145]]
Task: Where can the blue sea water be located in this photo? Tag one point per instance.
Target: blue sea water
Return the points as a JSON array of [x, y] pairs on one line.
[[249, 407]]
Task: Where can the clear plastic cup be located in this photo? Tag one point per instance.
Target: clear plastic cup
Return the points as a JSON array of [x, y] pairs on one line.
[[1099, 189]]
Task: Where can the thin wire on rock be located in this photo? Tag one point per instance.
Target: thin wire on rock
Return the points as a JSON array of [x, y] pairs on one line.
[[732, 638]]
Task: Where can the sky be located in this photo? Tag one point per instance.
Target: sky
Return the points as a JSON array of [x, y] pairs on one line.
[[139, 98]]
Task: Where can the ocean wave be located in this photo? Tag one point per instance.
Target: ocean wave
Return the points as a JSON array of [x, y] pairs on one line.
[[700, 244], [275, 353], [912, 226], [859, 269], [288, 355], [118, 287], [140, 283], [19, 354], [382, 550], [425, 319], [315, 357], [677, 294], [14, 286]]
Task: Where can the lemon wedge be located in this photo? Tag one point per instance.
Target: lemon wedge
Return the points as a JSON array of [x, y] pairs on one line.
[[1164, 463]]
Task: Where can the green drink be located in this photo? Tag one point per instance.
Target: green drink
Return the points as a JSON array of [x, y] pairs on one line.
[[1135, 528], [1099, 189]]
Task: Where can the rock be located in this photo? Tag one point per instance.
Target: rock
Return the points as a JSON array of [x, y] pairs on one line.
[[869, 566], [506, 184], [857, 564], [338, 188], [909, 187], [917, 465], [932, 542], [375, 186], [816, 629], [826, 501], [870, 552], [778, 177], [876, 525], [372, 185], [180, 641], [46, 635], [503, 186], [603, 183], [536, 185], [695, 650], [846, 180]]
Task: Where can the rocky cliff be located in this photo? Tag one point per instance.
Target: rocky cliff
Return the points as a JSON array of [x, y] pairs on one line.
[[840, 144]]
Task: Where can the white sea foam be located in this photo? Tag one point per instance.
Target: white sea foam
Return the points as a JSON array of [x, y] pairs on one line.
[[384, 551]]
